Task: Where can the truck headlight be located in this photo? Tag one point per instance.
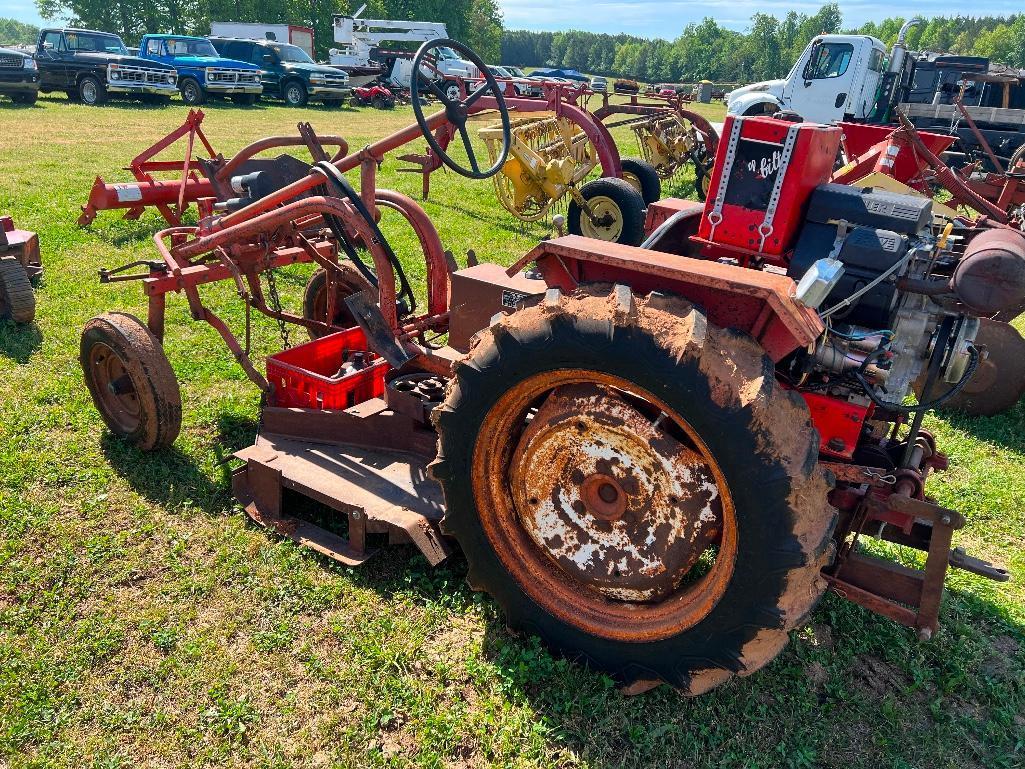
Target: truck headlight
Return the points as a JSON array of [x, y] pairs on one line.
[[112, 72], [29, 64]]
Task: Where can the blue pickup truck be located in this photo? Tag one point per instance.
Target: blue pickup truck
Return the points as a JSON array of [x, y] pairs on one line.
[[201, 70]]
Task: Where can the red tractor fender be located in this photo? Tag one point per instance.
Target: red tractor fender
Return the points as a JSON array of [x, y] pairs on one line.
[[751, 301]]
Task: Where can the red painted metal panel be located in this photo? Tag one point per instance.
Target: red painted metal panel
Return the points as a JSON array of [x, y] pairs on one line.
[[839, 423], [759, 159]]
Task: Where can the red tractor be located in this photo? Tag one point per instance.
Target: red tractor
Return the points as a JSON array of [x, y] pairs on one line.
[[656, 458], [376, 96]]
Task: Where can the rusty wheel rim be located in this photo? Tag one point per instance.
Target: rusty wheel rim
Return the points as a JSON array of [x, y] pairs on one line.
[[115, 389], [663, 578], [343, 316]]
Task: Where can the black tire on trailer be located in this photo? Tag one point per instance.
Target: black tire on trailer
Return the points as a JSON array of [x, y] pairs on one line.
[[294, 93], [519, 474], [131, 381], [315, 296], [17, 301], [643, 177], [191, 91], [91, 91], [618, 208]]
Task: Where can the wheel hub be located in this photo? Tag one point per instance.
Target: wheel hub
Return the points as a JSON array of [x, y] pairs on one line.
[[613, 499], [603, 219]]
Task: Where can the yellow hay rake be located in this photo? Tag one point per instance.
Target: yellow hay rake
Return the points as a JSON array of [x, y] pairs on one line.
[[670, 142], [549, 156]]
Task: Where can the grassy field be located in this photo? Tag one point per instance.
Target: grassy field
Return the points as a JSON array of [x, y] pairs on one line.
[[145, 622]]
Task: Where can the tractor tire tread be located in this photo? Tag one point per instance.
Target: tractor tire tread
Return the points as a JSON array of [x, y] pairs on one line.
[[17, 299], [759, 433]]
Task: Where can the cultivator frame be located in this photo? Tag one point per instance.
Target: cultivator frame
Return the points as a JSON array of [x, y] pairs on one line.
[[198, 176]]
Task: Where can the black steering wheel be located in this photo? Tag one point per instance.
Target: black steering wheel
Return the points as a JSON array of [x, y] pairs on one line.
[[457, 111]]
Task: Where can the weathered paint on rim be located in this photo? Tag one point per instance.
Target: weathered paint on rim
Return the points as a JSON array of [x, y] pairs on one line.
[[537, 575]]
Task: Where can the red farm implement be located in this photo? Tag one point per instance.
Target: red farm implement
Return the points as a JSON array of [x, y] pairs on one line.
[[557, 144], [657, 458], [20, 266]]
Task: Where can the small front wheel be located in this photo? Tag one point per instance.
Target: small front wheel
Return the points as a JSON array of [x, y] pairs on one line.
[[295, 94], [347, 283], [131, 381], [616, 212]]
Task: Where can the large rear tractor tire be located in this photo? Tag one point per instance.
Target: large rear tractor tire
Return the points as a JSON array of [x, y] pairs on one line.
[[618, 211], [631, 484], [131, 381], [642, 177], [17, 301], [315, 297]]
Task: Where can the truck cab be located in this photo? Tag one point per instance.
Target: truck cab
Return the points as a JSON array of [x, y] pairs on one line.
[[287, 71], [90, 66], [835, 78], [203, 72]]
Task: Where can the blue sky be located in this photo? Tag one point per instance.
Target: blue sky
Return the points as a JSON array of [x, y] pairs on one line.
[[665, 18]]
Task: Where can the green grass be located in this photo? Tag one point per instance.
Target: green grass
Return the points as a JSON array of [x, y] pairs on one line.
[[145, 622]]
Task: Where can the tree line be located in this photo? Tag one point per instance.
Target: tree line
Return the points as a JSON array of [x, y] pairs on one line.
[[478, 23], [767, 49]]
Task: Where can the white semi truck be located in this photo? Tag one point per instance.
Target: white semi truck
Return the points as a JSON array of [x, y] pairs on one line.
[[854, 78]]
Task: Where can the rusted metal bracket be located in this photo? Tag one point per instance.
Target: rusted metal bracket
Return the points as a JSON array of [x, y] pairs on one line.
[[909, 596], [378, 491]]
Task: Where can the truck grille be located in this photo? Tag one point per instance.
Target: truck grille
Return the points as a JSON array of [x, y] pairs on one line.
[[241, 76], [11, 61], [141, 75], [332, 81]]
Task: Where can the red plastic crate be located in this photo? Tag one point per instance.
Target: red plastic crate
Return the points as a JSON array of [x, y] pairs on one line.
[[304, 376]]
